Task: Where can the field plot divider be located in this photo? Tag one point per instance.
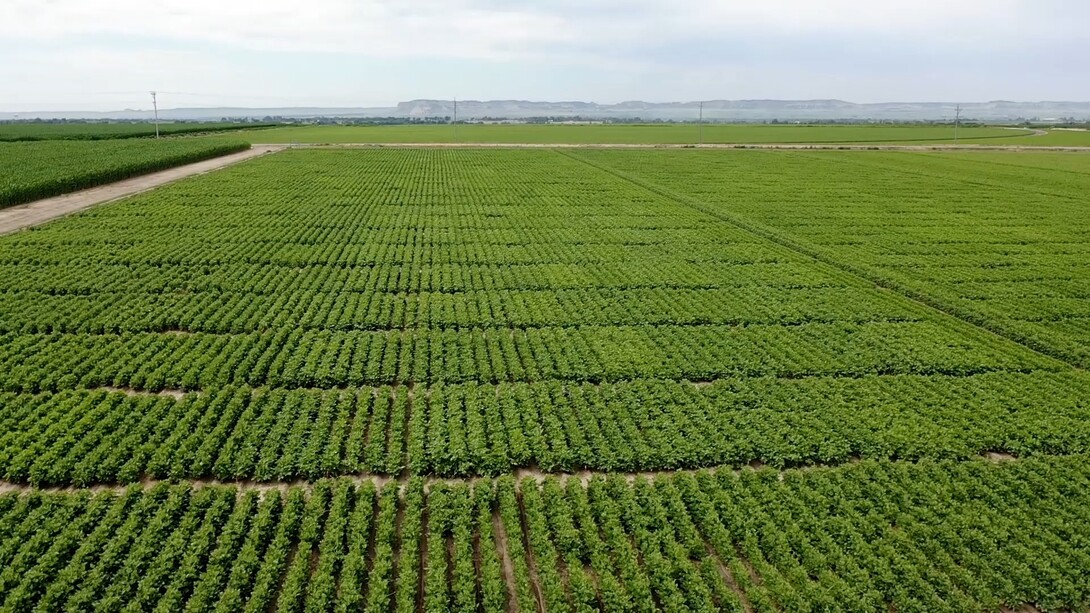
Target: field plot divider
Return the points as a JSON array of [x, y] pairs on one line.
[[402, 482], [803, 249]]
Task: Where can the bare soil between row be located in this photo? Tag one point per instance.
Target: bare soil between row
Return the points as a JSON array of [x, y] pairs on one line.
[[379, 480]]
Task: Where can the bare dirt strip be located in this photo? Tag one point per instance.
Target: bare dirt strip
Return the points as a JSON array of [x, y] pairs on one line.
[[41, 211], [379, 481]]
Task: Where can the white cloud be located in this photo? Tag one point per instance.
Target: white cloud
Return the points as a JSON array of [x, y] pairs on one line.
[[105, 78], [854, 14], [499, 30], [648, 49], [381, 28]]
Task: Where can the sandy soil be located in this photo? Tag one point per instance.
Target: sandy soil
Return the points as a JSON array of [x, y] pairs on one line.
[[379, 481], [41, 211], [170, 393]]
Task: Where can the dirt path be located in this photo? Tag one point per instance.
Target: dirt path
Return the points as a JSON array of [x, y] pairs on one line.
[[1032, 131], [520, 474], [41, 211]]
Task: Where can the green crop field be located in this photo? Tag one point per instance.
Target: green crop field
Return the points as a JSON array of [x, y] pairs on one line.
[[395, 379], [29, 171], [653, 134], [1002, 240], [32, 130], [942, 536], [1053, 138]]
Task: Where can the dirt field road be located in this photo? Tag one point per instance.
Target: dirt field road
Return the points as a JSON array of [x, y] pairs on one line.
[[41, 211]]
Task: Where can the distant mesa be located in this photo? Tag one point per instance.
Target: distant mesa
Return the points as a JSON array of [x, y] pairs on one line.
[[715, 110]]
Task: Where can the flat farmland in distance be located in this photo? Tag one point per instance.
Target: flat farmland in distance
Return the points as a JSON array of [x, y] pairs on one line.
[[648, 134], [399, 379], [37, 131], [1053, 138]]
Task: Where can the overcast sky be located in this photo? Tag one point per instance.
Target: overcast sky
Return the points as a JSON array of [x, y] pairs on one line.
[[106, 54]]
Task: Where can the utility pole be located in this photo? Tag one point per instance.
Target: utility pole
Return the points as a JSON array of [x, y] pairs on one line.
[[957, 120], [700, 123], [455, 123], [155, 105]]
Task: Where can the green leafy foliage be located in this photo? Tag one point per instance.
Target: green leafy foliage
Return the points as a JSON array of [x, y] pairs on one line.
[[466, 312], [872, 536], [369, 322], [998, 239], [84, 437], [29, 171]]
